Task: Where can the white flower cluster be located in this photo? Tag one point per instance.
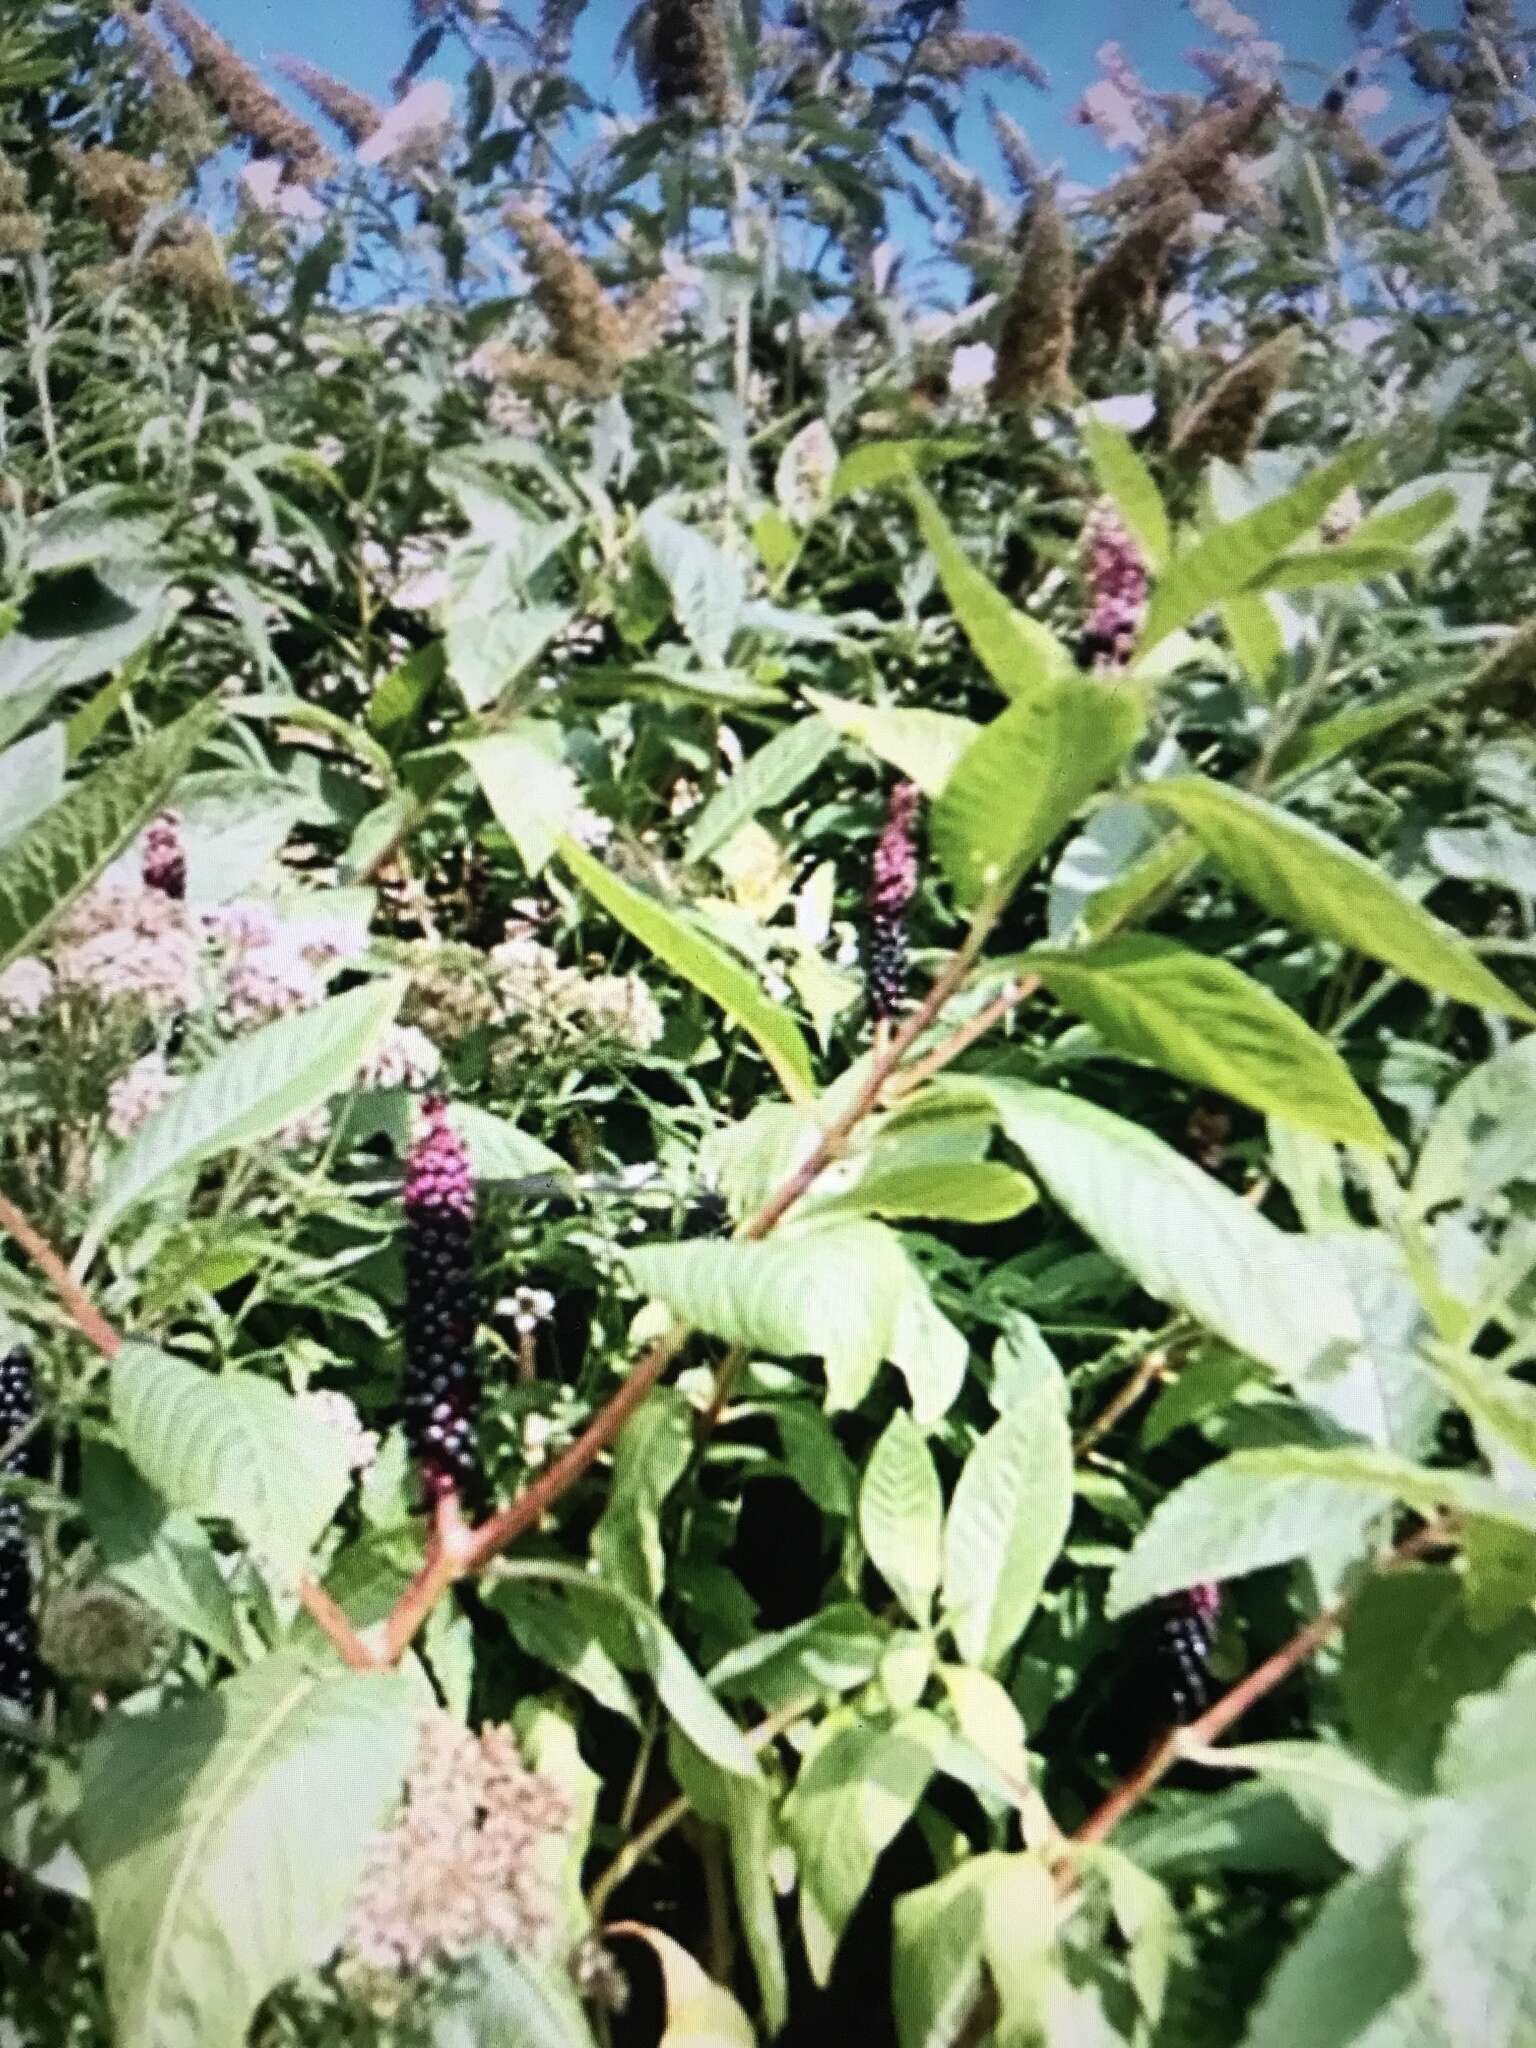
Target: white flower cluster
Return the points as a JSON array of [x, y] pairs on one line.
[[328, 1409], [136, 1096], [123, 942], [272, 965], [546, 1006]]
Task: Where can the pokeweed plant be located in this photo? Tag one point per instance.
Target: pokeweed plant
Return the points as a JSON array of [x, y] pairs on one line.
[[511, 1453]]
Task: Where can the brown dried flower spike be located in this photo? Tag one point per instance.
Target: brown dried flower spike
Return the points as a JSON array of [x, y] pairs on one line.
[[1035, 342], [354, 113], [1121, 292], [683, 58], [239, 94], [591, 337], [1224, 422], [119, 189]]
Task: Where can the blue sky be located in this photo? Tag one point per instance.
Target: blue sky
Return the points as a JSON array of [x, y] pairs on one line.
[[364, 40]]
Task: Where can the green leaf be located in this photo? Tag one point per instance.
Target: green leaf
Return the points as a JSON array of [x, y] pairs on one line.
[[654, 1451], [1351, 1980], [1125, 478], [949, 1191], [1408, 515], [636, 1636], [398, 696], [269, 1788], [1204, 1019], [922, 745], [1278, 1298], [1007, 1523], [104, 523], [1502, 1407], [1018, 783], [1258, 638], [495, 1995], [701, 962], [492, 634], [1244, 1513], [498, 1150], [709, 588], [937, 1971], [1415, 1619], [830, 1293], [836, 1650], [1472, 1870], [1019, 654], [78, 626], [245, 1093], [232, 1445], [1302, 874], [528, 787], [1484, 1136], [1230, 558], [547, 1627], [856, 1791], [764, 781], [878, 463], [62, 852], [161, 1554], [700, 2012], [31, 778], [1343, 562], [1363, 1816], [901, 1515]]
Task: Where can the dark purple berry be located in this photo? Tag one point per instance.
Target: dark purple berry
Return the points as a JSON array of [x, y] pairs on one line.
[[441, 1393], [164, 864], [1183, 1636], [20, 1673]]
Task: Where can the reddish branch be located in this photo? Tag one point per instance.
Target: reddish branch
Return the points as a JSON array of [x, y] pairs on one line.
[[87, 1318]]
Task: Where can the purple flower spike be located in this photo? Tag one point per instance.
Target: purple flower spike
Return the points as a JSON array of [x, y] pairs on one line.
[[1117, 589], [164, 865], [442, 1389]]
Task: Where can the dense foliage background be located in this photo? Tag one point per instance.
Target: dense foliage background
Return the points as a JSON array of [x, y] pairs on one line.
[[766, 924]]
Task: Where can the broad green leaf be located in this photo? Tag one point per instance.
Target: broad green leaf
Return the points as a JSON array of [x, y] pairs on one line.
[[635, 1635], [836, 1650], [1204, 1019], [1363, 1816], [1347, 731], [1022, 777], [855, 1793], [161, 1554], [1344, 562], [949, 1191], [678, 946], [1416, 1619], [104, 523], [1155, 874], [835, 1292], [398, 696], [1503, 1407], [528, 787], [1205, 1385], [1310, 879], [901, 1515], [1276, 1297], [1125, 478], [245, 1093], [937, 1971], [654, 1451], [747, 1814], [1237, 1517], [31, 779], [78, 626], [1146, 1917], [1018, 1944], [1007, 1522], [1484, 1136], [496, 1995], [700, 2012], [232, 1445], [920, 744], [708, 587], [990, 1722], [887, 462], [492, 634], [1019, 654], [1247, 1827], [268, 1789], [765, 780], [1407, 516], [1472, 1869], [498, 1150], [1228, 559], [1351, 1980], [61, 853]]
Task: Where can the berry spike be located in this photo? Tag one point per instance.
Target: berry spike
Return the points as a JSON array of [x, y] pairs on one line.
[[1117, 590], [892, 885], [1184, 1635], [20, 1673], [442, 1388]]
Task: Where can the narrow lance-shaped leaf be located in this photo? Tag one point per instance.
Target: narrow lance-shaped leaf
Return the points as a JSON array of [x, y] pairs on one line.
[[1023, 776], [1232, 557], [901, 1514], [767, 778], [701, 962], [923, 745], [244, 1094], [61, 853], [1017, 652], [1204, 1019], [1302, 874]]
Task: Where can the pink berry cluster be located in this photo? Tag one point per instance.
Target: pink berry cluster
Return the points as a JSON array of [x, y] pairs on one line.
[[1116, 574], [893, 883]]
